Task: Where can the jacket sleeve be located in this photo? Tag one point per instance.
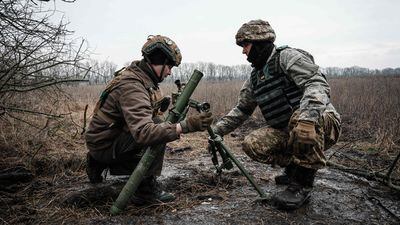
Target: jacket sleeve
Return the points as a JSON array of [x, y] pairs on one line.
[[309, 78], [243, 109], [137, 111]]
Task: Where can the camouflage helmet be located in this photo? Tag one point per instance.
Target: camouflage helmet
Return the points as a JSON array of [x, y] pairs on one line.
[[255, 30], [166, 45]]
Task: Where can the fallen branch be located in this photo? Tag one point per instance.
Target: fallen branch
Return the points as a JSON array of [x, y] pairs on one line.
[[389, 173], [379, 203], [369, 175]]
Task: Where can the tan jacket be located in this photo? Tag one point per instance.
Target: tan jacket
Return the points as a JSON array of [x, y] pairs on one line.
[[130, 105]]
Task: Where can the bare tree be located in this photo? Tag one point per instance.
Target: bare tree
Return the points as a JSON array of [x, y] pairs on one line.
[[36, 54]]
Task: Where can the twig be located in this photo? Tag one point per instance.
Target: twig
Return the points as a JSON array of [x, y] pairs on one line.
[[84, 120], [389, 173], [345, 145], [4, 220], [36, 152], [24, 121], [32, 112], [379, 203], [42, 86], [376, 176]]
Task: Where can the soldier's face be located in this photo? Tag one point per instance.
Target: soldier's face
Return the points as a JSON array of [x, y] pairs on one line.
[[166, 72], [246, 48]]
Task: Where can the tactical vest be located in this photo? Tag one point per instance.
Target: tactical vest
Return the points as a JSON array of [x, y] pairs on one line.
[[276, 93], [156, 99]]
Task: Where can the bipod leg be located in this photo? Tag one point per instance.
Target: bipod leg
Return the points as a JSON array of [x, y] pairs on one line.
[[244, 171], [214, 158], [226, 161]]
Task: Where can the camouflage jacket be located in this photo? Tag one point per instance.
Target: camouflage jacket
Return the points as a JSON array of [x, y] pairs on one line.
[[306, 75]]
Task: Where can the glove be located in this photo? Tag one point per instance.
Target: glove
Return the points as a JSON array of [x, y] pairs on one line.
[[303, 137], [163, 103], [198, 122]]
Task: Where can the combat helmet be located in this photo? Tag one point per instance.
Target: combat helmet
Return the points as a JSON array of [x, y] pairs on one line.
[[165, 45], [255, 30]]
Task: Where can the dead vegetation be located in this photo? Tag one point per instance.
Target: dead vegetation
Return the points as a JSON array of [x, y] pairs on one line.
[[44, 154]]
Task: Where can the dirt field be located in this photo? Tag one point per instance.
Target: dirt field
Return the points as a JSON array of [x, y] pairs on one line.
[[203, 197], [43, 180]]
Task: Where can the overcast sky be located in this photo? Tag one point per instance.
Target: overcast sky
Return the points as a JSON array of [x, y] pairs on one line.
[[337, 32]]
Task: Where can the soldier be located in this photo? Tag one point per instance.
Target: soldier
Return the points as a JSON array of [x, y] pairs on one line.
[[127, 119], [293, 96]]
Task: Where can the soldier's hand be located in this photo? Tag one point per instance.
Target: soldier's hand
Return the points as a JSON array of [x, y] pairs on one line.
[[303, 137], [198, 122]]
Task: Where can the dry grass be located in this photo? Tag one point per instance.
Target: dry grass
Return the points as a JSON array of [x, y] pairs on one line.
[[369, 106], [370, 109], [54, 150]]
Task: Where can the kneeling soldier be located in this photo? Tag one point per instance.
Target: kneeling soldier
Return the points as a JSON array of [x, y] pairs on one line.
[[127, 119], [293, 96]]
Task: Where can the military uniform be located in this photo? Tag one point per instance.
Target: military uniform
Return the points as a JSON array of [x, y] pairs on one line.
[[128, 119], [294, 98], [269, 145], [125, 123]]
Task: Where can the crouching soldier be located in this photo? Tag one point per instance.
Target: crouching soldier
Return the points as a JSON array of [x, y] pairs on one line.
[[294, 98], [126, 119]]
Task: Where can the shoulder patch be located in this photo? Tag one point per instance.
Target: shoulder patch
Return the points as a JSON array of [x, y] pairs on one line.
[[288, 57]]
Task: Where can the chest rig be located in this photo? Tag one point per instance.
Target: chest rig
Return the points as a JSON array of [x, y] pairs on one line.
[[156, 99], [276, 93]]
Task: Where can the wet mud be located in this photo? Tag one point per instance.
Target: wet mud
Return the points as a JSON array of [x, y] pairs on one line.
[[202, 196]]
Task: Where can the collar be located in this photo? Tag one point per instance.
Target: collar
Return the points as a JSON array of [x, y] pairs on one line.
[[272, 53], [146, 68], [141, 72]]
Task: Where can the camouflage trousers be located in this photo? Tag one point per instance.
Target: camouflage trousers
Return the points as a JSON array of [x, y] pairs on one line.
[[270, 146]]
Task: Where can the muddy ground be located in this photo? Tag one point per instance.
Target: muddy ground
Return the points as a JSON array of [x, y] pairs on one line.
[[65, 196]]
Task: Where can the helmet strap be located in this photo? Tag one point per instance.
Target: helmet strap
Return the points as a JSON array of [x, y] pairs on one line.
[[161, 78], [145, 65]]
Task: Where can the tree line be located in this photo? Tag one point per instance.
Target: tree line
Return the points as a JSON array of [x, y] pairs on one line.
[[218, 72], [103, 71], [38, 54]]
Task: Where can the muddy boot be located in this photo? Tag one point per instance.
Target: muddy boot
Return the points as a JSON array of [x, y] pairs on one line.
[[94, 169], [298, 191], [149, 192], [286, 177]]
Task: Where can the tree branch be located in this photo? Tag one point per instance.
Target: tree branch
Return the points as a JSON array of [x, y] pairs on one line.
[[42, 86]]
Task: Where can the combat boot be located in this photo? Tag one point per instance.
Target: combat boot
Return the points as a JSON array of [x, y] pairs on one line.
[[287, 175], [298, 192], [94, 169], [149, 192]]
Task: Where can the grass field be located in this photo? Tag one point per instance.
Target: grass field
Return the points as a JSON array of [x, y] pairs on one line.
[[52, 147], [369, 106]]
